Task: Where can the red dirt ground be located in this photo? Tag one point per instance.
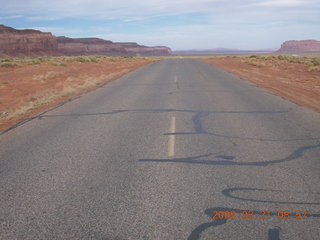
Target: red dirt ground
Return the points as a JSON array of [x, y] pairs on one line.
[[293, 81], [27, 90]]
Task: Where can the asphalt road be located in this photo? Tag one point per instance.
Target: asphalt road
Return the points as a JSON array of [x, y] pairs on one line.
[[155, 153]]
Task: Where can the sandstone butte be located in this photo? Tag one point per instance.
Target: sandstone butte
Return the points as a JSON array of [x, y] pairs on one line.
[[29, 42], [303, 46]]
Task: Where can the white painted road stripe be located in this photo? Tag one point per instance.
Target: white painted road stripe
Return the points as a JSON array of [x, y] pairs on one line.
[[172, 138]]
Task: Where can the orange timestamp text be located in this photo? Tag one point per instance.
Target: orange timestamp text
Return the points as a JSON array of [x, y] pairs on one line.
[[248, 214]]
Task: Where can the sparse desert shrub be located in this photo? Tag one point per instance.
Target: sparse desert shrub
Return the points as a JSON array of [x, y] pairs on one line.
[[34, 61], [57, 63], [294, 60], [51, 63], [87, 59], [309, 61], [81, 59], [67, 59], [64, 59], [314, 69], [316, 61], [255, 63], [94, 59], [283, 57], [60, 64], [262, 57], [127, 58], [253, 56], [8, 64], [5, 60]]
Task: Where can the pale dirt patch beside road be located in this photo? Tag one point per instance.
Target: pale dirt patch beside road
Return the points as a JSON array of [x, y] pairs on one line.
[[297, 82], [26, 90]]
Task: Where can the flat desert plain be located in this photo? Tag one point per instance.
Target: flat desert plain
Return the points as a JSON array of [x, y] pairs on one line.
[[294, 78], [30, 86]]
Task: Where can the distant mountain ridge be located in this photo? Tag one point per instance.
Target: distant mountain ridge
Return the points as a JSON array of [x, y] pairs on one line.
[[221, 51], [31, 42]]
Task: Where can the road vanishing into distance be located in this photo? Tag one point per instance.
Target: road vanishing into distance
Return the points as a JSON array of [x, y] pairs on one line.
[[175, 150]]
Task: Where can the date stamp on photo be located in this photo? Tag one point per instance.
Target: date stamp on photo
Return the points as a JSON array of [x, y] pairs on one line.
[[248, 214]]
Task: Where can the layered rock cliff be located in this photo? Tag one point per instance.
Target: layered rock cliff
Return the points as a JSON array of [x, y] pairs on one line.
[[303, 46], [36, 43], [26, 42], [87, 46], [146, 51], [91, 46]]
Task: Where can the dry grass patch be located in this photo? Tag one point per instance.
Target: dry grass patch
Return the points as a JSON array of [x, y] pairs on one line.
[[48, 75], [255, 62]]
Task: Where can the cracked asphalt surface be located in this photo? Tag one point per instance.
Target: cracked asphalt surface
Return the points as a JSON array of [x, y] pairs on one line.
[[98, 167]]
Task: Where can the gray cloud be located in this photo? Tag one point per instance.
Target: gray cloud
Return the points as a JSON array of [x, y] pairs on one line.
[[227, 23], [138, 8]]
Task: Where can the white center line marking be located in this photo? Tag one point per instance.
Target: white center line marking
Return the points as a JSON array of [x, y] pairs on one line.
[[172, 138]]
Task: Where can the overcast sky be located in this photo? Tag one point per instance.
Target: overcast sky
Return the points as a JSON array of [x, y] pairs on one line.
[[179, 24]]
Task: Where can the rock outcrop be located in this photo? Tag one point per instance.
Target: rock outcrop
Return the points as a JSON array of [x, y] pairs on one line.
[[30, 42], [303, 46], [26, 42]]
